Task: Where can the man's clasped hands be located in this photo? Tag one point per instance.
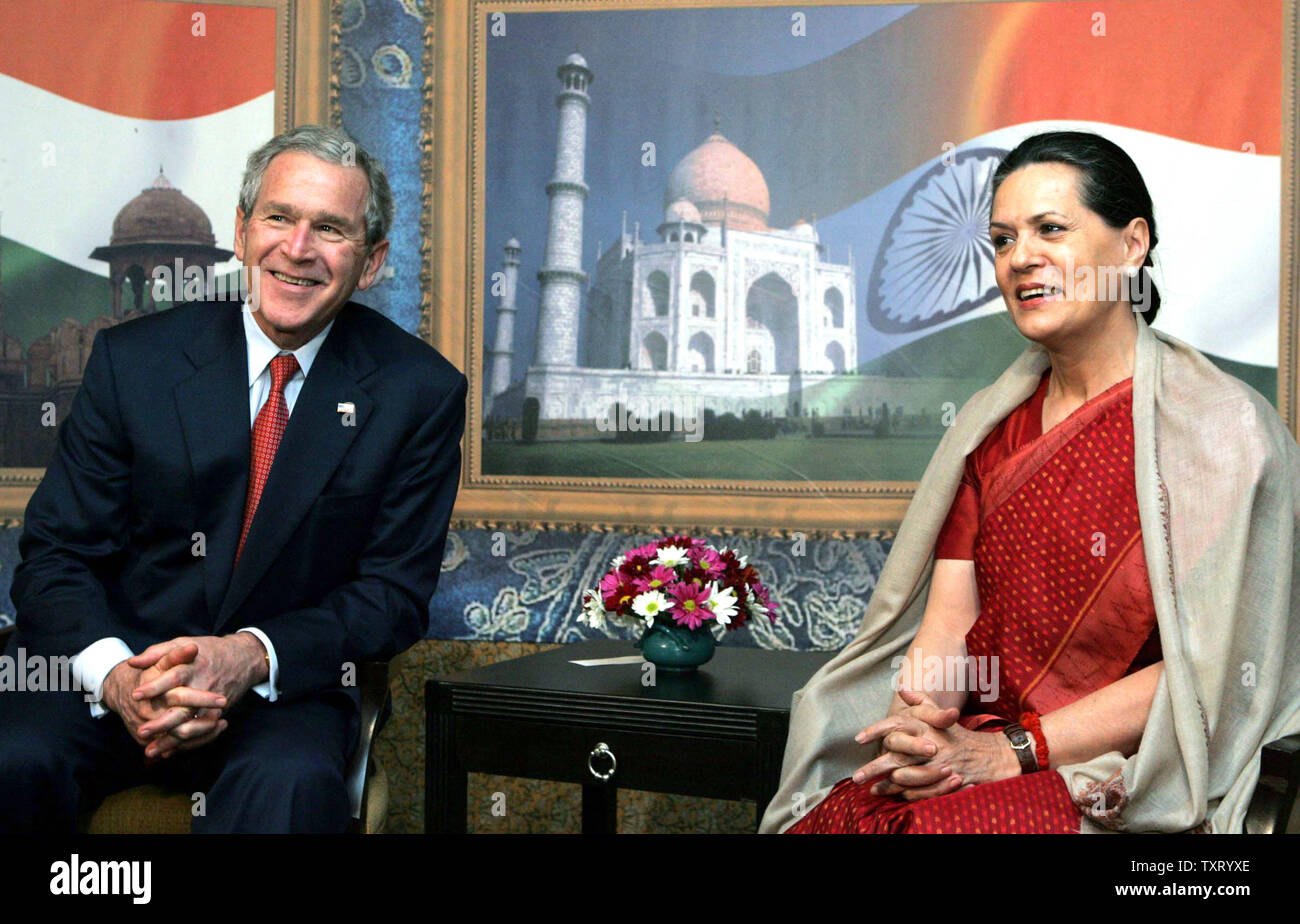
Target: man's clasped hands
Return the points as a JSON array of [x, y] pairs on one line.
[[172, 695], [926, 753]]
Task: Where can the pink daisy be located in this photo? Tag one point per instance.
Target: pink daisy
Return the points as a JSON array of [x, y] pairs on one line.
[[658, 578], [707, 561], [688, 604]]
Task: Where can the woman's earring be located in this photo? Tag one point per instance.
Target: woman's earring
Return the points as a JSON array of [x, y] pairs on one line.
[[1132, 272]]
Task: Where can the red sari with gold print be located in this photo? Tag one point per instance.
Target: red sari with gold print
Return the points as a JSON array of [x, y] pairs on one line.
[[1051, 521]]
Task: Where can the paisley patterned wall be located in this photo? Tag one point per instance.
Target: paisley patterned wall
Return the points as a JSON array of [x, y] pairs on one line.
[[381, 73], [526, 586]]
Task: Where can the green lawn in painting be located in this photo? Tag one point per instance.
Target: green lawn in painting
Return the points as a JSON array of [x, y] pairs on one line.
[[901, 458]]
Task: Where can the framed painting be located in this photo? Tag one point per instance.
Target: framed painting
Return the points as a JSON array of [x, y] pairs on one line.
[[127, 125], [727, 265]]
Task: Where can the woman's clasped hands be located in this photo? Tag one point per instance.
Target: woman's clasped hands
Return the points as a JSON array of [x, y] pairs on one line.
[[926, 753]]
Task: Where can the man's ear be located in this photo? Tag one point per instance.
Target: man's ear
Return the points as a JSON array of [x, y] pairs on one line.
[[240, 223], [374, 262]]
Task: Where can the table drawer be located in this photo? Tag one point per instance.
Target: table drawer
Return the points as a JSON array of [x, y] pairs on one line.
[[721, 769]]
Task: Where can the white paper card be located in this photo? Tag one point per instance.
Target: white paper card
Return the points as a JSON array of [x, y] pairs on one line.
[[601, 662]]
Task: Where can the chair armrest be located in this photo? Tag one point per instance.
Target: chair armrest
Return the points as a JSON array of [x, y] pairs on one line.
[[373, 683], [1271, 806]]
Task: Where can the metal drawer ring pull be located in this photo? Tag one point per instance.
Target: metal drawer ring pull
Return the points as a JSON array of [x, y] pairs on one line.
[[602, 750]]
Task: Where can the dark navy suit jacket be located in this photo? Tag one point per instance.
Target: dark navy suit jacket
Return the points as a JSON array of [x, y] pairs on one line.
[[151, 468]]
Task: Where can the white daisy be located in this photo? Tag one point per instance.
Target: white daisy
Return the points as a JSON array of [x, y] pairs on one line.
[[756, 607], [670, 556], [617, 561], [593, 610], [650, 604], [722, 603]]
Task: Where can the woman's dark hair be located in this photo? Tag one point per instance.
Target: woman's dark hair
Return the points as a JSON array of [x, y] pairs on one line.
[[1109, 184]]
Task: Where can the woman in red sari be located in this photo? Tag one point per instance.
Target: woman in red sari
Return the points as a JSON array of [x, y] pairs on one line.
[[1039, 577]]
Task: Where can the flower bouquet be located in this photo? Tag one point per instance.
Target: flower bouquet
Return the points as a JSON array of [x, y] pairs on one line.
[[677, 589]]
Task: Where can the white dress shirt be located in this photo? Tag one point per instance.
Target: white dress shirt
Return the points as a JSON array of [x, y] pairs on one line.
[[95, 662]]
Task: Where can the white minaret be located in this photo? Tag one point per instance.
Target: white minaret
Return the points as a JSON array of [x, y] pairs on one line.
[[505, 342], [561, 274]]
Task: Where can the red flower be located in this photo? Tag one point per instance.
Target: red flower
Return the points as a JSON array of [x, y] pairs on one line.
[[619, 600]]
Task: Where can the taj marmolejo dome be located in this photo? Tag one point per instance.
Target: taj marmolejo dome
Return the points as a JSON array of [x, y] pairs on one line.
[[720, 311]]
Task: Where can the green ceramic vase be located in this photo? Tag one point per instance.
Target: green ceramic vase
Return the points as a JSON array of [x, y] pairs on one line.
[[675, 648]]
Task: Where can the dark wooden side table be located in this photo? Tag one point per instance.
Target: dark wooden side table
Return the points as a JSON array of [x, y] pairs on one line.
[[717, 733]]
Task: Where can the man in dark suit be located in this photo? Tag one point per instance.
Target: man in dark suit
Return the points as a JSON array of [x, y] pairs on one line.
[[245, 503]]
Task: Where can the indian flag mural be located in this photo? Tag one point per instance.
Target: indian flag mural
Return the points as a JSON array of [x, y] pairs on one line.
[[126, 125], [1191, 89]]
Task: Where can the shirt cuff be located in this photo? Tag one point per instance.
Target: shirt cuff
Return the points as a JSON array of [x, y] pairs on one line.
[[91, 667], [268, 689]]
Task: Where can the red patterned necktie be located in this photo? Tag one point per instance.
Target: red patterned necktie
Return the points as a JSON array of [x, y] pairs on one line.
[[267, 430]]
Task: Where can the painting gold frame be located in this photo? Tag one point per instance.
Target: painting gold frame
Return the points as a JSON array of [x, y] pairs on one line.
[[454, 140], [306, 90]]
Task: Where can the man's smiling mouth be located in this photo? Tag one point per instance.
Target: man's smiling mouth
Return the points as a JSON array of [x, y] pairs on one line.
[[294, 280]]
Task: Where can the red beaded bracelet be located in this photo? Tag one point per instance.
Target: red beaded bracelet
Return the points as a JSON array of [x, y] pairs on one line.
[[1033, 725]]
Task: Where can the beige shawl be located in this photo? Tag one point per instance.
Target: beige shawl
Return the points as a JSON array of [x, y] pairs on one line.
[[1218, 492]]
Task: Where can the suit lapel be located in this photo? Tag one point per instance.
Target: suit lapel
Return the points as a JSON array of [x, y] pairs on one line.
[[213, 409], [313, 444]]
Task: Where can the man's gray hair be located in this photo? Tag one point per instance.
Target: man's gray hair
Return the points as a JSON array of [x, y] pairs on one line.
[[333, 146]]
